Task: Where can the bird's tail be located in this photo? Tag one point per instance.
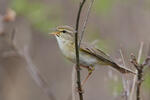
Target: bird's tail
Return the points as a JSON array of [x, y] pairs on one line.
[[121, 69]]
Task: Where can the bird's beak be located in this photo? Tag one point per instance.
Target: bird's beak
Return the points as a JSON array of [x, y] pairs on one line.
[[54, 33]]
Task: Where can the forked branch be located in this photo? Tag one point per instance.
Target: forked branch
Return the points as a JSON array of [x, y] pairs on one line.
[[140, 68]]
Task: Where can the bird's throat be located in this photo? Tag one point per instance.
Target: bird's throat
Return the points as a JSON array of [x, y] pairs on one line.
[[65, 45]]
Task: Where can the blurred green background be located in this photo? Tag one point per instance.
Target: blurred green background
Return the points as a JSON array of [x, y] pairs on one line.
[[114, 24]]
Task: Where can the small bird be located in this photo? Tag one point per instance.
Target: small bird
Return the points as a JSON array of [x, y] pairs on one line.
[[88, 56]]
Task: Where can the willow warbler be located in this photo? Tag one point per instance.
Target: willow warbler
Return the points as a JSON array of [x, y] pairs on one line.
[[89, 56]]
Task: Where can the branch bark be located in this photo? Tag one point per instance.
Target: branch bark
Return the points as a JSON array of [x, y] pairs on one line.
[[77, 51], [135, 77], [139, 68], [139, 76]]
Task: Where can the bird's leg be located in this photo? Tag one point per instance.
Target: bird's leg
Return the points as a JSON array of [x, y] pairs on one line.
[[90, 70]]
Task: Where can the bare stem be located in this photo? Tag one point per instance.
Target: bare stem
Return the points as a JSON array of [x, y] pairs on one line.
[[73, 82], [139, 82], [77, 51], [124, 80], [86, 20], [140, 73], [122, 57], [140, 67], [36, 75], [140, 52], [136, 77]]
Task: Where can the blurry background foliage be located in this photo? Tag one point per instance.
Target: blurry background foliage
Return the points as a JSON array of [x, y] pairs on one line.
[[94, 37], [147, 81], [103, 6], [116, 87], [42, 16], [45, 16]]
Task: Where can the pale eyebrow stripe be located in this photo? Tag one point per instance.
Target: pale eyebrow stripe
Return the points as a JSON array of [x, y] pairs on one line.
[[62, 29]]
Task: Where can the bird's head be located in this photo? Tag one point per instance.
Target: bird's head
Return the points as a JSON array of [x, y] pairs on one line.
[[64, 32]]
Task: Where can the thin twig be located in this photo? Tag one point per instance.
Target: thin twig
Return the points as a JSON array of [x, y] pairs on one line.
[[140, 67], [140, 73], [77, 51], [135, 77], [85, 22], [124, 80], [122, 57], [72, 96], [73, 83], [149, 50], [35, 74], [140, 52], [139, 82]]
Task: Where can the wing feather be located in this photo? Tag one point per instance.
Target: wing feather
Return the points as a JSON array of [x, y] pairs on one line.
[[96, 53], [104, 58]]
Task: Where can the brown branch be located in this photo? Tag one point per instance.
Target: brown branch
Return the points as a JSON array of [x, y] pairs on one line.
[[135, 63], [36, 75], [139, 72], [147, 61], [77, 51], [139, 82], [31, 67], [139, 68]]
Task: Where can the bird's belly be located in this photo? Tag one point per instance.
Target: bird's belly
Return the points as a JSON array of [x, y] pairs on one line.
[[69, 52], [85, 59]]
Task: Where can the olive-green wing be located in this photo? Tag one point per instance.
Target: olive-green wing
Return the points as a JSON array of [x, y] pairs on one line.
[[96, 53], [103, 57]]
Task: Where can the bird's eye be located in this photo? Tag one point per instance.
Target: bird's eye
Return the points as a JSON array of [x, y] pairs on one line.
[[64, 31]]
